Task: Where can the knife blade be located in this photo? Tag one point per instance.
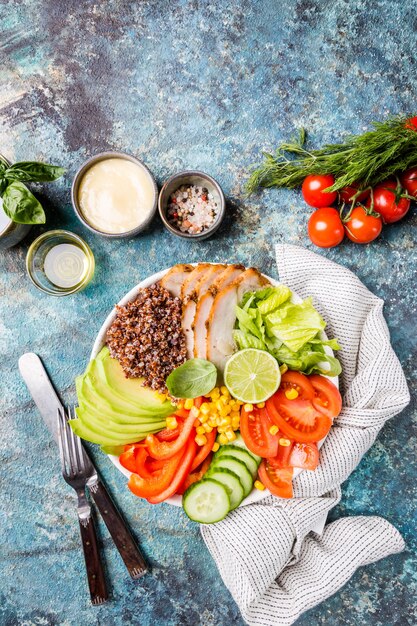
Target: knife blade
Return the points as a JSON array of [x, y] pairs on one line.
[[48, 403]]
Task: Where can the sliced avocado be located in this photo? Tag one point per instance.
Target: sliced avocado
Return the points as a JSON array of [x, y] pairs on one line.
[[130, 389], [83, 431], [96, 422], [96, 376], [88, 398]]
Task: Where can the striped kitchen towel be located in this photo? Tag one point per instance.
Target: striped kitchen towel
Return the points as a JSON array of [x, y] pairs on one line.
[[276, 556]]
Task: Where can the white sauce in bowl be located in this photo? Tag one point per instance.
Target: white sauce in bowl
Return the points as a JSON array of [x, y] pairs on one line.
[[116, 195]]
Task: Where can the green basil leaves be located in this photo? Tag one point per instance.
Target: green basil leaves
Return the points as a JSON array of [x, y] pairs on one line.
[[19, 204], [194, 378]]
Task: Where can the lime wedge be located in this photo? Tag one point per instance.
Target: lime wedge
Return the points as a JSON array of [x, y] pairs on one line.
[[252, 375]]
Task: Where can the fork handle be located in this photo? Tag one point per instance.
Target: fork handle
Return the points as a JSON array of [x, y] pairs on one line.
[[119, 531], [95, 574]]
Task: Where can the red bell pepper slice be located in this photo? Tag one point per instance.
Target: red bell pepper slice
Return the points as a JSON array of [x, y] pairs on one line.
[[194, 477], [205, 450], [167, 449], [156, 482], [181, 472]]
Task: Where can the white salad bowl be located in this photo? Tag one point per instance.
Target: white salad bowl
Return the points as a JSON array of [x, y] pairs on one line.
[[100, 341]]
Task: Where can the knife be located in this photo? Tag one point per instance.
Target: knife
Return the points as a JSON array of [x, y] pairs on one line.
[[48, 403]]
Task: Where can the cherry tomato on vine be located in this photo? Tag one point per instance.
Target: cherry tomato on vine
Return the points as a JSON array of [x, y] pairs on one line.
[[325, 228], [388, 203], [313, 190], [409, 181], [346, 193], [411, 123], [361, 227]]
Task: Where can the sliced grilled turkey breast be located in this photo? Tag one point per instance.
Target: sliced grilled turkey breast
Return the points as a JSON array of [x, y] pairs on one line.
[[203, 308], [207, 277], [221, 321], [175, 278]]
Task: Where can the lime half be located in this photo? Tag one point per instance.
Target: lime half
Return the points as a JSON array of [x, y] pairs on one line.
[[252, 375]]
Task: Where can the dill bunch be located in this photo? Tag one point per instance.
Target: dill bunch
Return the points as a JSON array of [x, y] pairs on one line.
[[390, 148]]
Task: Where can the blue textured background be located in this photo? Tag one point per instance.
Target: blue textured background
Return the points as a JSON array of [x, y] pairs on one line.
[[201, 85]]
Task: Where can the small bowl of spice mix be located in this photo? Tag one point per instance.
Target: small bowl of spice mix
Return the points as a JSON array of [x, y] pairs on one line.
[[191, 205]]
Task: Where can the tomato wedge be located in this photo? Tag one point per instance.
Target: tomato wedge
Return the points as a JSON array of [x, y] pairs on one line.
[[327, 398], [204, 451], [195, 476], [302, 423], [155, 483], [167, 449], [299, 382], [276, 479], [181, 472], [254, 428], [304, 456], [283, 455]]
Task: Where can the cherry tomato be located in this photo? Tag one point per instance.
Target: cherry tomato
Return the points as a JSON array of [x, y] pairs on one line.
[[325, 228], [346, 193], [327, 398], [409, 181], [254, 428], [304, 456], [386, 202], [276, 479], [312, 190], [361, 227], [411, 123]]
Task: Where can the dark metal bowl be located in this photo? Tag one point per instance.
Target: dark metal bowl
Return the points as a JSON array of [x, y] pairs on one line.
[[191, 177]]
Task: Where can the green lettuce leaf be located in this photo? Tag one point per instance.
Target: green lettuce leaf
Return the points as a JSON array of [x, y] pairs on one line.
[[296, 324], [245, 340]]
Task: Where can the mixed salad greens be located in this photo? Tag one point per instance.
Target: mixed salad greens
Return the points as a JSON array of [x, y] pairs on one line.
[[269, 320]]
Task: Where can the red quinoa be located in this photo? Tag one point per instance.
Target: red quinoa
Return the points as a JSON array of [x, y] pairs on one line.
[[146, 336]]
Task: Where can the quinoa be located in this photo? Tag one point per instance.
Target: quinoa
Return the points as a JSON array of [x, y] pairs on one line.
[[146, 336]]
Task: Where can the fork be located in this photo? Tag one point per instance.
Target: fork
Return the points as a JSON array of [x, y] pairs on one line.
[[76, 470]]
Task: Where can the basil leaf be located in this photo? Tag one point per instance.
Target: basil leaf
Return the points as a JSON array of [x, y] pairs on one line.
[[194, 378], [21, 205], [32, 171], [3, 185]]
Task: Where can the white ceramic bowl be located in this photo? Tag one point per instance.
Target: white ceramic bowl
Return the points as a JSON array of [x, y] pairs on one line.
[[100, 341]]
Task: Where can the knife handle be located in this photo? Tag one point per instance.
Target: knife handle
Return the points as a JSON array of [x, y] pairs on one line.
[[95, 574], [120, 533]]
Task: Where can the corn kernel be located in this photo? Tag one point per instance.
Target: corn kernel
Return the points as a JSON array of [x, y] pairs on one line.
[[172, 423], [215, 447], [205, 408], [235, 424], [180, 404], [258, 485], [235, 415], [273, 429], [225, 391], [201, 440], [212, 423], [224, 411], [161, 396], [200, 430], [284, 442], [248, 407], [260, 405], [231, 436], [223, 439], [188, 404], [203, 418], [291, 394], [215, 394], [207, 428], [283, 368], [194, 411], [219, 405]]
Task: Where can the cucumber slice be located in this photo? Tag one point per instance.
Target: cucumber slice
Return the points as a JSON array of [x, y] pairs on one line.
[[242, 455], [206, 501], [232, 483], [237, 467], [241, 444]]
